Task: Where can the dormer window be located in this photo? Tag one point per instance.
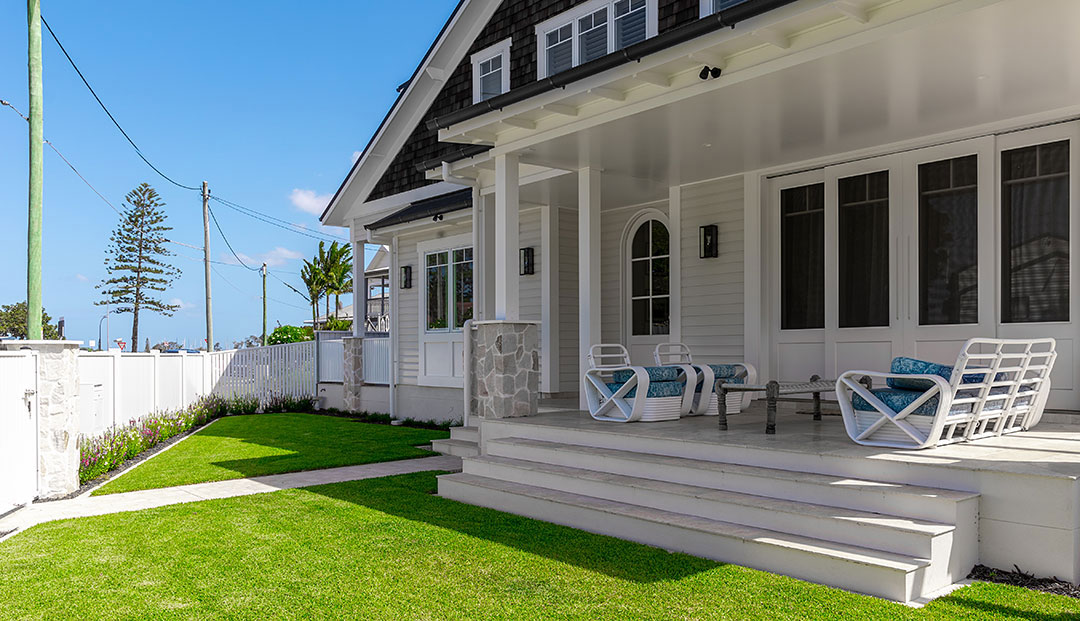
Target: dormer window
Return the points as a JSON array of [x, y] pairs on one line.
[[491, 71], [590, 31], [708, 7]]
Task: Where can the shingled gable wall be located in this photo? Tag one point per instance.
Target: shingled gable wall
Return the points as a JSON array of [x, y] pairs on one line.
[[517, 19]]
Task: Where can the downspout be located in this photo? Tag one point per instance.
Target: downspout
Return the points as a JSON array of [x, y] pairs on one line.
[[467, 380], [393, 328]]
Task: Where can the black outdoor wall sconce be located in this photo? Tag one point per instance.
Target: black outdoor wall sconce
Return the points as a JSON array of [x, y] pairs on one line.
[[710, 72], [406, 277], [525, 262], [709, 241]]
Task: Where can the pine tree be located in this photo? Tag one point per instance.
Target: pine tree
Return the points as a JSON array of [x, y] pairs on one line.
[[136, 261]]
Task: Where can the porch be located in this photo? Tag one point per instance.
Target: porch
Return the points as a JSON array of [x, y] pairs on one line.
[[805, 502]]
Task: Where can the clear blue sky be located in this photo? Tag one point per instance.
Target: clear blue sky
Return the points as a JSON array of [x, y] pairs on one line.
[[268, 101]]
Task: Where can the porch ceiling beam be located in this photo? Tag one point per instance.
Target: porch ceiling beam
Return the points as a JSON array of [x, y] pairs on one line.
[[563, 109], [608, 93], [708, 58], [653, 77], [772, 36], [849, 10], [482, 136], [516, 121]]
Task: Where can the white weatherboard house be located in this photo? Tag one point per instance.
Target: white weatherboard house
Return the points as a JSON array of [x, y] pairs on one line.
[[808, 187]]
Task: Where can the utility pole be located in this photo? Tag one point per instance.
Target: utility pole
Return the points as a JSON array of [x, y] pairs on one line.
[[264, 305], [206, 264], [33, 229]]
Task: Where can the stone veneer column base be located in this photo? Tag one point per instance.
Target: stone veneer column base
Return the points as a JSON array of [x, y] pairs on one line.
[[507, 371], [354, 372], [57, 415]]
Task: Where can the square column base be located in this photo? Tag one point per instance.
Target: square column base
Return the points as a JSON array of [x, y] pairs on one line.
[[507, 363]]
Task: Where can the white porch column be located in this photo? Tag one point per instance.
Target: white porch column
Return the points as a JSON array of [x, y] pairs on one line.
[[588, 267], [483, 253], [549, 299], [507, 300]]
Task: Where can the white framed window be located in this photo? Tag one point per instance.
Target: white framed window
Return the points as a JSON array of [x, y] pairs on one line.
[[448, 289], [708, 7], [592, 30], [491, 71]]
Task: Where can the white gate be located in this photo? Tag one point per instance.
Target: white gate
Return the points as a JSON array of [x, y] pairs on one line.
[[18, 429], [377, 360]]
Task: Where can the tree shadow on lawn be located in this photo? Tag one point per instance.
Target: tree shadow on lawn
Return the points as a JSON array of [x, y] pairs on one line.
[[412, 497], [333, 442]]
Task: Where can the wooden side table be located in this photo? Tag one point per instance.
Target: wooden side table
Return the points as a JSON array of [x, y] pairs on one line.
[[773, 390]]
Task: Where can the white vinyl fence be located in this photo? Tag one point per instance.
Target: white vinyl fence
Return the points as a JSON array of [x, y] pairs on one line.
[[18, 429], [115, 388], [376, 360], [331, 355]]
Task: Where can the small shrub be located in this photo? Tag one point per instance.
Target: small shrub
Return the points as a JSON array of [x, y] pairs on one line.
[[285, 403], [289, 334], [243, 405]]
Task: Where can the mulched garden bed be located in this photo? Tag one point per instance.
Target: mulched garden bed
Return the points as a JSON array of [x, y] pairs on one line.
[[1021, 579]]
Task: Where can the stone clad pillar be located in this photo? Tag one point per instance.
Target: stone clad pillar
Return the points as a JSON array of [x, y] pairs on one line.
[[507, 368], [354, 372], [57, 414]]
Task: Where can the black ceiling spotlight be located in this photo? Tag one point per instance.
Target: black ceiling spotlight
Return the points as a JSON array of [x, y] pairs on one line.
[[437, 217], [710, 72]]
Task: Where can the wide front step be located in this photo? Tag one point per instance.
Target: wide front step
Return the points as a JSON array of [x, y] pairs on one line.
[[457, 448], [937, 505], [918, 538], [468, 434], [885, 574]]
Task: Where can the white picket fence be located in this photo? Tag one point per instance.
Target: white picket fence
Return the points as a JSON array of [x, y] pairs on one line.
[[377, 360], [115, 388], [331, 356]]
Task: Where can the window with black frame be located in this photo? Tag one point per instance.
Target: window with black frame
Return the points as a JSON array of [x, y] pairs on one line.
[[949, 242], [449, 289], [863, 250], [1035, 233], [802, 257], [650, 276]]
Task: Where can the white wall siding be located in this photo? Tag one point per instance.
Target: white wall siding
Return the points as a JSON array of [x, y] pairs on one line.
[[567, 299], [529, 288], [408, 310], [712, 289]]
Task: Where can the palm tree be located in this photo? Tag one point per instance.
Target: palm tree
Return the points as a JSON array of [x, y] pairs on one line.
[[338, 271], [315, 281]]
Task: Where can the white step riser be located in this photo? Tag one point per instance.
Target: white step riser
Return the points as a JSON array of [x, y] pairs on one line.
[[873, 580], [875, 537], [455, 449], [469, 434], [943, 510]]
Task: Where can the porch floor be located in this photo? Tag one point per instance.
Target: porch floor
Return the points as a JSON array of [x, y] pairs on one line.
[[1051, 449]]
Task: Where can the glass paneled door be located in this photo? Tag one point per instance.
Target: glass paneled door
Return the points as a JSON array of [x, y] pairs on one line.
[[948, 247]]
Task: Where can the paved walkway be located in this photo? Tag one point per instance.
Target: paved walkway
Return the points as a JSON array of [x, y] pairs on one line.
[[87, 505]]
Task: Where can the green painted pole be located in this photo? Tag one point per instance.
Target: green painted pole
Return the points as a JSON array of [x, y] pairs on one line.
[[33, 233]]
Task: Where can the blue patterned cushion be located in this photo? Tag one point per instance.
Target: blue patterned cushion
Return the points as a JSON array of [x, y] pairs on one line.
[[656, 374], [898, 399], [727, 380], [656, 389], [727, 371], [913, 366]]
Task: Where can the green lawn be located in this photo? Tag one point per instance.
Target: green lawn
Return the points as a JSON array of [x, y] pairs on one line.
[[246, 446], [386, 548]]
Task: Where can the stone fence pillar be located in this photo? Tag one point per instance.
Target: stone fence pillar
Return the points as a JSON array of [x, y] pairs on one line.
[[354, 372], [507, 371], [57, 414]]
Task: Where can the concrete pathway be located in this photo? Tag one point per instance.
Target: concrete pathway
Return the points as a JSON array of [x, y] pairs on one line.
[[87, 505]]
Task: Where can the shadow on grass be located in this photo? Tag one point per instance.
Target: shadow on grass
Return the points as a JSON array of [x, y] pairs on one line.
[[992, 610], [412, 497], [310, 441]]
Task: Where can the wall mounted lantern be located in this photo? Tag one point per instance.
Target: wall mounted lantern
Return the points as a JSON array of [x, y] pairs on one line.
[[406, 277], [525, 263], [709, 241]]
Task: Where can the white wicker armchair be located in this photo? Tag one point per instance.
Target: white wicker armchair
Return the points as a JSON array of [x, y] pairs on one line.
[[997, 386], [705, 401], [617, 391]]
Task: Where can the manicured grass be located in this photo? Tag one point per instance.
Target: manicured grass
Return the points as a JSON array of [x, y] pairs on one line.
[[386, 548], [246, 446]]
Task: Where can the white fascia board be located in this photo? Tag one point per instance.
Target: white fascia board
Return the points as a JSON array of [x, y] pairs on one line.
[[409, 110], [754, 60]]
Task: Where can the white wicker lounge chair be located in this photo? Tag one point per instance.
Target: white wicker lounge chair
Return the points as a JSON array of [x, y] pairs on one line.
[[997, 386], [705, 399], [620, 392]]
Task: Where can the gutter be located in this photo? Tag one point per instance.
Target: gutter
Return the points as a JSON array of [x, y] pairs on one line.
[[635, 53]]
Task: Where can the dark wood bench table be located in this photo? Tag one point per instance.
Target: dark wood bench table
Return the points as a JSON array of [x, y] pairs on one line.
[[772, 391]]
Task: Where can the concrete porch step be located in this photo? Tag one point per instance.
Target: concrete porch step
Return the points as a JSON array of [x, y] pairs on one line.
[[468, 434], [457, 448], [911, 501], [884, 574], [914, 537]]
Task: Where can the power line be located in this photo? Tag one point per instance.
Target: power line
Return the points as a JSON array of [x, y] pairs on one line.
[[66, 161], [291, 287], [278, 222], [216, 224], [234, 286], [111, 117]]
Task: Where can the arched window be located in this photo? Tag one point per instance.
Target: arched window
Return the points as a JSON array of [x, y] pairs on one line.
[[650, 277]]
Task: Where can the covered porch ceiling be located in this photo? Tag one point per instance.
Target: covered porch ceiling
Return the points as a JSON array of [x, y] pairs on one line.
[[961, 74]]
